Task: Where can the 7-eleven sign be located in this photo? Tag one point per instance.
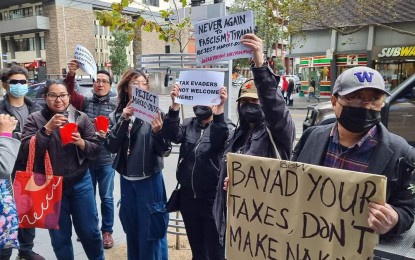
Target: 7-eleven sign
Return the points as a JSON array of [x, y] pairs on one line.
[[352, 60]]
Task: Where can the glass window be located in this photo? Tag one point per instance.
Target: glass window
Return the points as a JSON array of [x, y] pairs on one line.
[[31, 44], [151, 2], [39, 10], [42, 42]]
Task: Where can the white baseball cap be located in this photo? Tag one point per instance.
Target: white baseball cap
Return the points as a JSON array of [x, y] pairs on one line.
[[358, 78]]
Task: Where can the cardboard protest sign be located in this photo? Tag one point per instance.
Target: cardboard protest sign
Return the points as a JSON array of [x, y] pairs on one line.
[[288, 210], [85, 60], [200, 87], [218, 39], [145, 105]]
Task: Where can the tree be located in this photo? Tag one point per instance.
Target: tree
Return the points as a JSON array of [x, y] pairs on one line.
[[118, 56], [171, 26]]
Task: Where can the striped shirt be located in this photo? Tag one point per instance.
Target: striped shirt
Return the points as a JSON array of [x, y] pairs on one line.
[[355, 158]]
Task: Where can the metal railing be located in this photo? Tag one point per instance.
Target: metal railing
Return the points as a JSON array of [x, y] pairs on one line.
[[177, 224]]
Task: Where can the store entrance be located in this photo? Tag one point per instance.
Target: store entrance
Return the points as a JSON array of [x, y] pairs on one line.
[[395, 72]]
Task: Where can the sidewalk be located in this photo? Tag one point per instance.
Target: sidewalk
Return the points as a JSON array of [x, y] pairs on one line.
[[301, 103]]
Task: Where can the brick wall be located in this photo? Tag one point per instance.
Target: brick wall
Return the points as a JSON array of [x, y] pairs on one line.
[[79, 24]]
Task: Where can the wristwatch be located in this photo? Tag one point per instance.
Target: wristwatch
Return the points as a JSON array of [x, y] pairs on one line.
[[46, 131]]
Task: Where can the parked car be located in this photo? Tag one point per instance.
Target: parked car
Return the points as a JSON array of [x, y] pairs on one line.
[[295, 78], [83, 87], [398, 114], [237, 83]]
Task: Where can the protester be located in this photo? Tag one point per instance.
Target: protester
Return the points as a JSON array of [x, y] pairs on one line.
[[9, 148], [101, 169], [140, 149], [202, 140], [15, 104], [290, 91], [312, 90], [265, 125], [71, 162], [358, 141]]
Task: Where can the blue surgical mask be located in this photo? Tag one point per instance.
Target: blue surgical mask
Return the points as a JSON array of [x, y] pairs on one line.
[[18, 90]]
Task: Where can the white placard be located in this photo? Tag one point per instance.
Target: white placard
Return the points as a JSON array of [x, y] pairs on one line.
[[200, 87], [85, 60], [145, 105], [219, 39]]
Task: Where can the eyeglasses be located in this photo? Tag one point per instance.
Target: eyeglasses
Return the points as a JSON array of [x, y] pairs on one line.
[[104, 81], [355, 100], [139, 83], [55, 97], [17, 81]]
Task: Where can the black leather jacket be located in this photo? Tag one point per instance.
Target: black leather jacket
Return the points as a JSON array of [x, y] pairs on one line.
[[200, 151], [257, 141], [139, 152]]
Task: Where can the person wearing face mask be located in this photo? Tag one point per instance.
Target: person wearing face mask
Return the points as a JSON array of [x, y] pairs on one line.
[[202, 140], [358, 141], [140, 149], [265, 127], [16, 104]]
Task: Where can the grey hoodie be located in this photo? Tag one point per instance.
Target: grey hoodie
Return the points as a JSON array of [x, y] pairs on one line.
[[9, 149]]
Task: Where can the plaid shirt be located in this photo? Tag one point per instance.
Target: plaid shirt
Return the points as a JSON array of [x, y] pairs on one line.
[[355, 158]]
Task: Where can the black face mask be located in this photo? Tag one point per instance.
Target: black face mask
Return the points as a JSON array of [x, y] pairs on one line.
[[358, 119], [252, 113], [202, 112]]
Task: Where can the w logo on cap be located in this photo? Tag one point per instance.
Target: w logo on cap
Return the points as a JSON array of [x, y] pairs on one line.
[[364, 76]]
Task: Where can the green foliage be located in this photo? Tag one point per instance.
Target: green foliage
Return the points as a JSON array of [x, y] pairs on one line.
[[118, 56], [171, 28]]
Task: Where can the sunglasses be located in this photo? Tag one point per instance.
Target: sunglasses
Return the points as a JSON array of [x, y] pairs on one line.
[[17, 81]]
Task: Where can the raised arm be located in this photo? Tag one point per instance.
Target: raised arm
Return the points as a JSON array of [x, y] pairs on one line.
[[77, 100]]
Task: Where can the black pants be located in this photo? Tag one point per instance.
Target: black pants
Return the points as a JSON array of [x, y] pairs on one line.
[[200, 226]]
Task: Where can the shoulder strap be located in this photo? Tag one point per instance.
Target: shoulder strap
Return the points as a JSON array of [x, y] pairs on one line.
[[278, 156], [31, 159]]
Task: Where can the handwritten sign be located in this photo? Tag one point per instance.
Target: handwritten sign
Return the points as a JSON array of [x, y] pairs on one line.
[[85, 60], [287, 210], [200, 87], [218, 39], [145, 105]]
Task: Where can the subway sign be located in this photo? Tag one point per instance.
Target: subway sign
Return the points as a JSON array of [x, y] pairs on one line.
[[390, 52]]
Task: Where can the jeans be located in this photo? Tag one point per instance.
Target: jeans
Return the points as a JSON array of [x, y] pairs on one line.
[[78, 205], [144, 218], [104, 176], [200, 226]]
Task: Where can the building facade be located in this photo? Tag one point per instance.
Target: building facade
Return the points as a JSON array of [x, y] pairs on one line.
[[325, 53], [42, 35]]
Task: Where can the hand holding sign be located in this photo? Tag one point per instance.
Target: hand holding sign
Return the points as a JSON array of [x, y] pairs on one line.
[[223, 98], [157, 124], [73, 66], [382, 218], [127, 112], [255, 44], [174, 93]]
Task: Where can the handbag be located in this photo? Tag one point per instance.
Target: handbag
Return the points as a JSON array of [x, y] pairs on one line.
[[9, 222], [311, 89], [38, 196], [173, 202]]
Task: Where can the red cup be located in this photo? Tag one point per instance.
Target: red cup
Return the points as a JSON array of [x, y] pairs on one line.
[[66, 132], [102, 123]]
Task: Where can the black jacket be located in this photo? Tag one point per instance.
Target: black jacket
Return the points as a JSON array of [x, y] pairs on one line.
[[393, 158], [277, 119], [200, 151], [5, 108], [67, 161], [139, 152]]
